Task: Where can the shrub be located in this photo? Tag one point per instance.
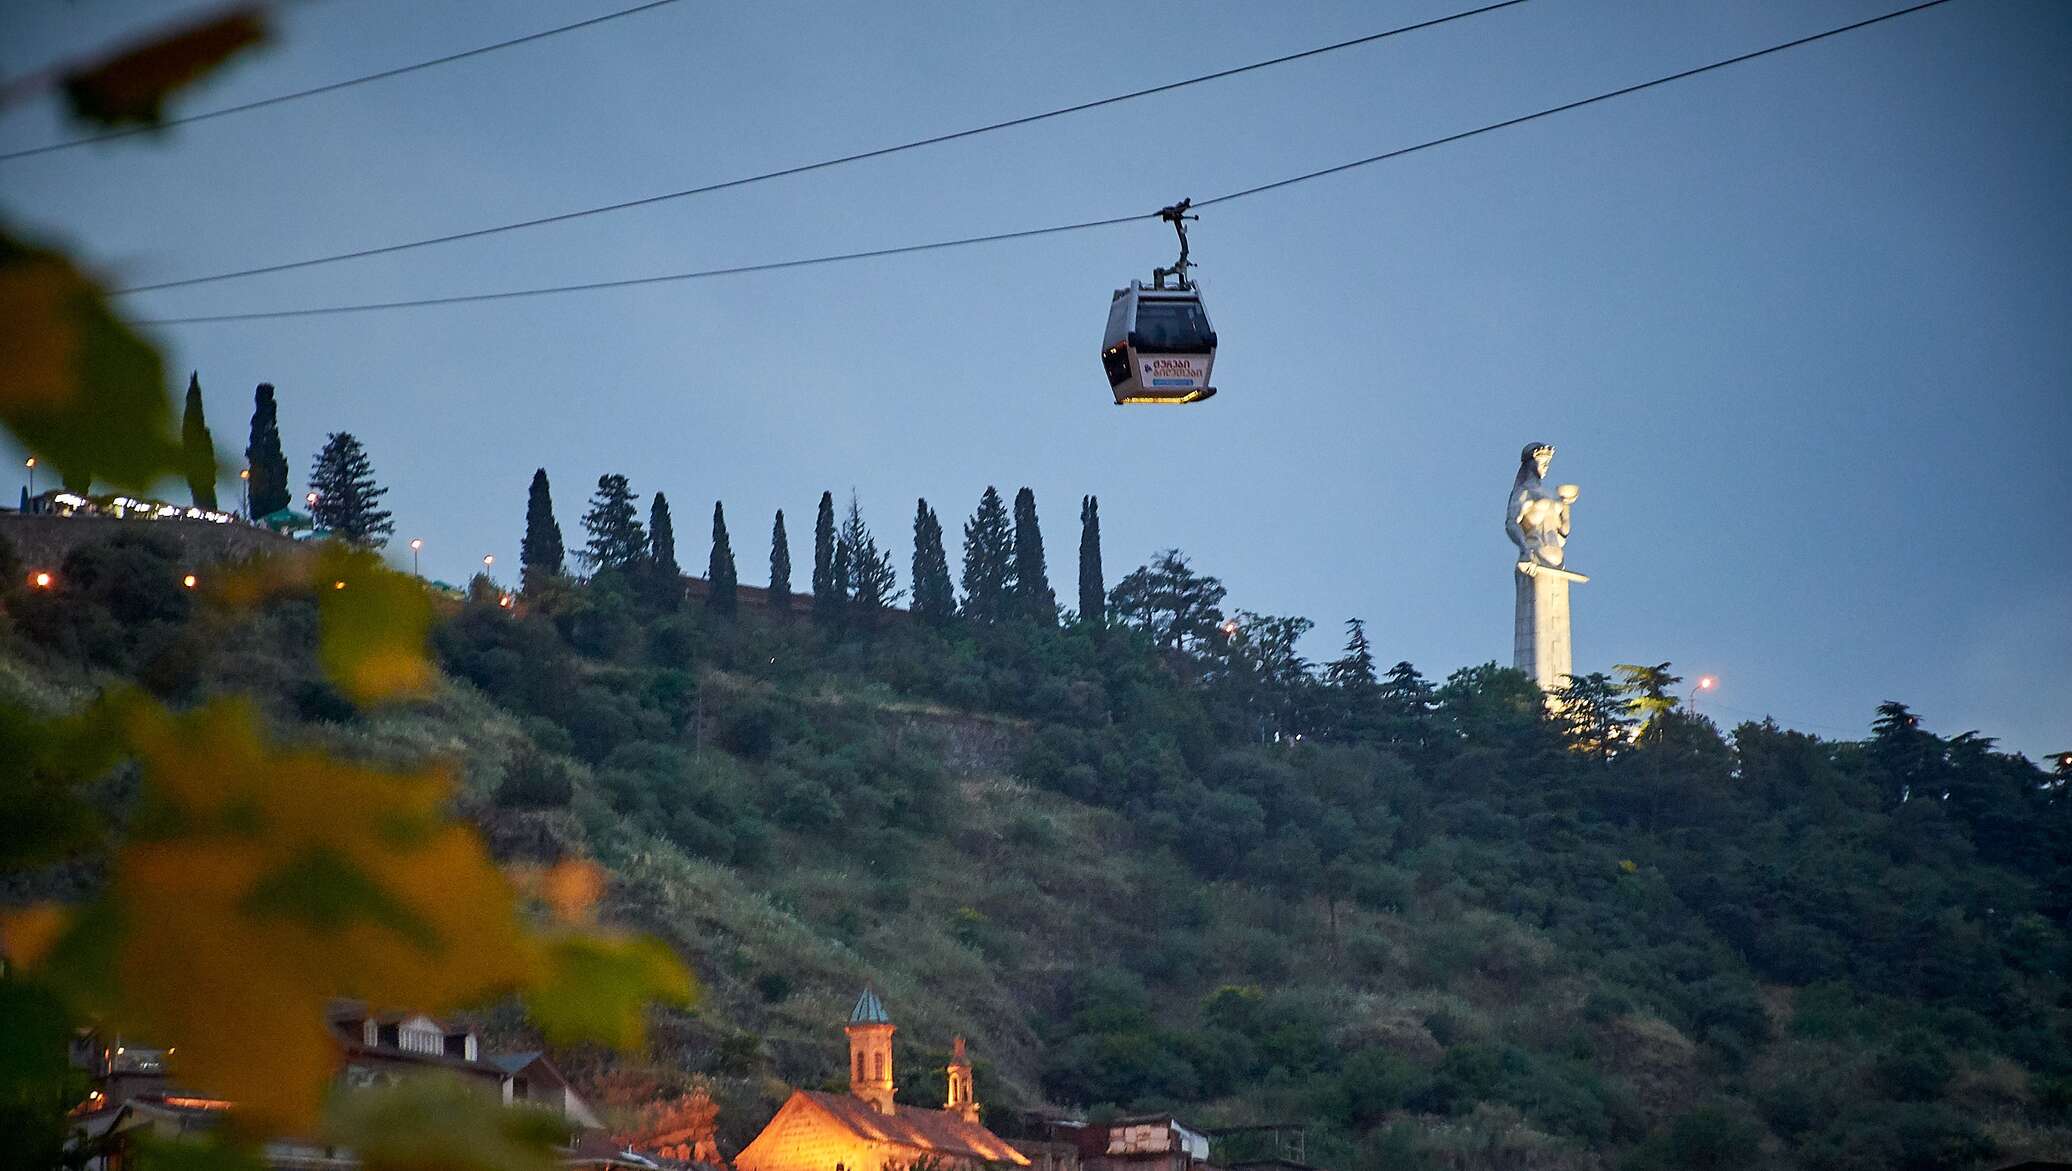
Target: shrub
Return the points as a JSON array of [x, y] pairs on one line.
[[535, 782]]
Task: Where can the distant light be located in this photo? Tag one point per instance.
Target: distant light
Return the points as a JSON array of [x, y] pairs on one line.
[[310, 499], [488, 559], [504, 601], [40, 579], [416, 543], [244, 473], [30, 462], [188, 581], [1707, 683], [337, 585]]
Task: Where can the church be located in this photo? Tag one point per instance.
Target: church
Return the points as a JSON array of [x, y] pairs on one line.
[[864, 1129]]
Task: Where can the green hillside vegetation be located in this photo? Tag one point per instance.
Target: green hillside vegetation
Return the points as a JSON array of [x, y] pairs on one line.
[[1156, 860]]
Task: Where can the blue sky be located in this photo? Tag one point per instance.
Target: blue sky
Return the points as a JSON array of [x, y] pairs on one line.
[[1798, 328]]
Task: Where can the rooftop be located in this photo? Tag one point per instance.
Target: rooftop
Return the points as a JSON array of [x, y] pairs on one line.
[[869, 1010]]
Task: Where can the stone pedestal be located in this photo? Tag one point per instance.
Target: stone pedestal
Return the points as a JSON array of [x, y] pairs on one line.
[[1540, 635]]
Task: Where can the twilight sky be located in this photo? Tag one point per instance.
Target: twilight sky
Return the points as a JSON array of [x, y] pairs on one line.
[[1801, 329]]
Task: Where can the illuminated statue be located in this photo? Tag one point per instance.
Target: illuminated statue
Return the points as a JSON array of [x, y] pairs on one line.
[[1538, 523], [1536, 519]]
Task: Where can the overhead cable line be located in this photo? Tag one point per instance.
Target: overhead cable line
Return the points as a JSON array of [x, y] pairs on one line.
[[802, 262], [332, 87], [803, 168]]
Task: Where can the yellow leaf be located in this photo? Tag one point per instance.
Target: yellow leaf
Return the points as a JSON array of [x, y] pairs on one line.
[[597, 987], [132, 86], [372, 621], [572, 888], [27, 934], [261, 884], [77, 387], [440, 1124]]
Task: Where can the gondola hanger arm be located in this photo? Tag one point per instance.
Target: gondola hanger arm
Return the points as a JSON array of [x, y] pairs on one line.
[[1176, 215]]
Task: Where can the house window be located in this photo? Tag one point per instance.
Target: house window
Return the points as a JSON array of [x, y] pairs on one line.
[[423, 1041], [877, 1067], [520, 1089], [859, 1067]]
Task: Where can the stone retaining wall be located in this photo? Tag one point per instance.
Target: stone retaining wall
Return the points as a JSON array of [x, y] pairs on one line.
[[42, 541]]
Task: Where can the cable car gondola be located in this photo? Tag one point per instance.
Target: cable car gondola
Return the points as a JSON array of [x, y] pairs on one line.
[[1159, 347]]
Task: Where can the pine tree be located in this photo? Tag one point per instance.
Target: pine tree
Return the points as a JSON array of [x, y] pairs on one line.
[[348, 501], [868, 576], [830, 581], [1592, 714], [1647, 691], [1355, 686], [1093, 595], [1033, 597], [1407, 697], [988, 560], [540, 554], [198, 448], [935, 602], [662, 539], [269, 468], [721, 594], [780, 565], [1354, 670], [617, 540]]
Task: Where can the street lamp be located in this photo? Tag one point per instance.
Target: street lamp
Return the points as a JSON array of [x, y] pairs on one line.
[[416, 543], [244, 476], [1705, 683], [30, 464]]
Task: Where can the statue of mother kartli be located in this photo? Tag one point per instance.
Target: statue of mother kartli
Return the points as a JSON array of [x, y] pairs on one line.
[[1536, 519]]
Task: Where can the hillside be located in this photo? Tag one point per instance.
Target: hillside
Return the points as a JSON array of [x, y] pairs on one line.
[[1142, 865]]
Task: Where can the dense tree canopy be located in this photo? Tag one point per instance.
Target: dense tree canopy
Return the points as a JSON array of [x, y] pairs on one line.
[[617, 538], [348, 501]]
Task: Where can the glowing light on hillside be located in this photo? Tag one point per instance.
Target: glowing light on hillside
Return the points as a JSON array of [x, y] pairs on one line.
[[189, 581], [41, 579]]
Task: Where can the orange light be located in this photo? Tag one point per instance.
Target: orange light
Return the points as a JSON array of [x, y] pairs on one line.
[[188, 581], [244, 473], [1707, 683], [41, 579], [337, 585], [30, 462]]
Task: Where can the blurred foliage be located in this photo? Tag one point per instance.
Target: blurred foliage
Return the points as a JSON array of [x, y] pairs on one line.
[[132, 86], [246, 884], [82, 390], [440, 1123]]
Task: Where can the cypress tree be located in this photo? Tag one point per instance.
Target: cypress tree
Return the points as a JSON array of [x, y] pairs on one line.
[[1093, 596], [198, 448], [348, 501], [934, 601], [988, 559], [540, 554], [617, 540], [269, 483], [780, 565], [720, 594], [830, 581], [662, 539], [1033, 596]]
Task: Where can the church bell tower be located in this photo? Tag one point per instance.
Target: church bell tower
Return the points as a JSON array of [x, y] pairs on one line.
[[870, 1052], [961, 1101]]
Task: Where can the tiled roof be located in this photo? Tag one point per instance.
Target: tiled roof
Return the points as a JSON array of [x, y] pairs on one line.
[[869, 1010], [935, 1132]]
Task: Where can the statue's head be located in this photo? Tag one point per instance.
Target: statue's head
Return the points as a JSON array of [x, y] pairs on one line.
[[1537, 455]]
